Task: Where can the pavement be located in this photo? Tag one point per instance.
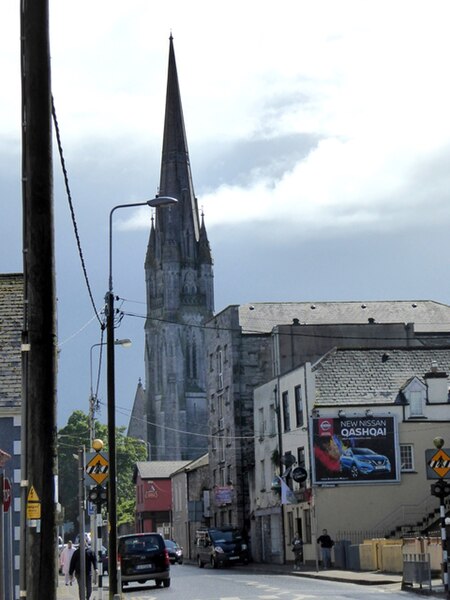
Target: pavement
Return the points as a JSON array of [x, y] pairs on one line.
[[393, 581]]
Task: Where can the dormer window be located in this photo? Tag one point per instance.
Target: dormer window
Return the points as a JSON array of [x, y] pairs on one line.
[[415, 393], [416, 399]]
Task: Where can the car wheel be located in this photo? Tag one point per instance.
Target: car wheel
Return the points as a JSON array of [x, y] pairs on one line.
[[158, 582], [166, 583], [214, 563], [200, 563], [180, 562]]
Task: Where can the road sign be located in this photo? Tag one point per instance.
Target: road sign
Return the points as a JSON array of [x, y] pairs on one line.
[[6, 494], [33, 505], [97, 468], [439, 462]]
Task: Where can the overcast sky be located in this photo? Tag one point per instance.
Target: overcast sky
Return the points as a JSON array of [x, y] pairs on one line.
[[319, 138]]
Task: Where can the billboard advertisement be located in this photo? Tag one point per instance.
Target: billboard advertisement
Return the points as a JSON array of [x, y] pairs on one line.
[[354, 450]]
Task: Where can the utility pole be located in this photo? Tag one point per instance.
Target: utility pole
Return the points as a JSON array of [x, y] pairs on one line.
[[38, 469]]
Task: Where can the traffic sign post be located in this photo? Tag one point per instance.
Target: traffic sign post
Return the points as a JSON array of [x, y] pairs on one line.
[[438, 463]]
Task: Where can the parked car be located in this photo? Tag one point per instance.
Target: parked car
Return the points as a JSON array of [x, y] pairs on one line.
[[175, 552], [142, 557], [363, 461], [221, 546]]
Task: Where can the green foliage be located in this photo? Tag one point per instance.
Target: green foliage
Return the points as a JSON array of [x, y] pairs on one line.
[[129, 451]]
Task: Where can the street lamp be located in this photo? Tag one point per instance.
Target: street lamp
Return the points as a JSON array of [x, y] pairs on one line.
[[112, 487], [149, 451]]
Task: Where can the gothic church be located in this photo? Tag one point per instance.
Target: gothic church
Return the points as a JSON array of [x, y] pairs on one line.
[[180, 299]]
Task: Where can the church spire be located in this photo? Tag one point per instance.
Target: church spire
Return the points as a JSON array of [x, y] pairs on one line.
[[176, 178]]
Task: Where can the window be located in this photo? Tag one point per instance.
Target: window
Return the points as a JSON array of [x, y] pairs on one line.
[[407, 457], [301, 457], [416, 403], [273, 420], [263, 474], [286, 415], [261, 423], [219, 369], [298, 406]]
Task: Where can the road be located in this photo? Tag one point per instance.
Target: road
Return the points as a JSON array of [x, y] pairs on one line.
[[188, 582]]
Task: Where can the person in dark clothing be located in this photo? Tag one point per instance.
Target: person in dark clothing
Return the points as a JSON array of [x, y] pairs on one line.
[[90, 561], [326, 543], [297, 549]]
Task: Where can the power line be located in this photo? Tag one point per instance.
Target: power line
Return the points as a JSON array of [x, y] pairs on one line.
[[72, 212]]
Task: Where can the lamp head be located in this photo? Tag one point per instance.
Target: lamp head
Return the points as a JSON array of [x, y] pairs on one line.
[[125, 343], [161, 201], [438, 442], [97, 445]]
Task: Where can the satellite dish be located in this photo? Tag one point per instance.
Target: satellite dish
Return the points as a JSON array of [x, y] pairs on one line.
[[288, 460], [299, 474]]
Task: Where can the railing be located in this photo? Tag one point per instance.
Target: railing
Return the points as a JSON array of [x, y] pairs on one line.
[[358, 537], [406, 514], [416, 569]]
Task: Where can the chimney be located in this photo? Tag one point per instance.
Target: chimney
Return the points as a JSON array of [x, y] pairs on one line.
[[437, 385]]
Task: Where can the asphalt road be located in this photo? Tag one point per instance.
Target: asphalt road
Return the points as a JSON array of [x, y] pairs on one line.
[[188, 582]]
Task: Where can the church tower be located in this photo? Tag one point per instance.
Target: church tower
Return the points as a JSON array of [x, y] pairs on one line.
[[180, 298]]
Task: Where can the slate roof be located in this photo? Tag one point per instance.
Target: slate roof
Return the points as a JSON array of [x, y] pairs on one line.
[[11, 323], [159, 469], [345, 377], [427, 315]]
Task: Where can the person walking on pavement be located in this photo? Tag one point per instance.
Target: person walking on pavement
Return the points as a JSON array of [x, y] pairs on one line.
[[90, 561], [297, 549], [64, 561], [326, 543]]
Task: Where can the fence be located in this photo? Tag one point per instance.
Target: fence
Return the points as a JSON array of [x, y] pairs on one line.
[[416, 569]]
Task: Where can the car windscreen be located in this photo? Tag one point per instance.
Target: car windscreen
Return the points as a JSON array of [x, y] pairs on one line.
[[225, 536], [139, 545]]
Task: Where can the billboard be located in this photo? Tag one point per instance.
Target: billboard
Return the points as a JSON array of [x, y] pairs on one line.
[[354, 450]]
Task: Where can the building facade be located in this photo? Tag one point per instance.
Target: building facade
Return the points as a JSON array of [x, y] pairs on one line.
[[154, 496], [190, 503], [180, 299], [360, 423], [11, 324], [249, 345]]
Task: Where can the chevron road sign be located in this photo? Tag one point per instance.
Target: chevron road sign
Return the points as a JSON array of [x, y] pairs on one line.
[[97, 468], [438, 463]]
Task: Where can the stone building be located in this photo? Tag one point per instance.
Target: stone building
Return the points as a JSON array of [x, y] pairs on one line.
[[11, 323], [190, 503], [180, 298], [248, 345]]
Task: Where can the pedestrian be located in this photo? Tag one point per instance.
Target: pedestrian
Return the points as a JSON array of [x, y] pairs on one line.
[[64, 561], [297, 549], [90, 561], [326, 543]]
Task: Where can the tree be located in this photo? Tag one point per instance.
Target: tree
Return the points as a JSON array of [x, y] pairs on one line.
[[129, 451]]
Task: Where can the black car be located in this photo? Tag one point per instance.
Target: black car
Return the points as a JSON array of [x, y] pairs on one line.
[[143, 556], [221, 546], [175, 552]]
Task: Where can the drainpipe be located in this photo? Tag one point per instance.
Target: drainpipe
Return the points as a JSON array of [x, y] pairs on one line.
[[276, 392]]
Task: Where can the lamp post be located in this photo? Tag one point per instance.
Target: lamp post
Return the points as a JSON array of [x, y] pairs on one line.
[[149, 451], [112, 487], [95, 527]]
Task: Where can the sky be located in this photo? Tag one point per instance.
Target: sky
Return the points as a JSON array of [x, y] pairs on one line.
[[319, 139]]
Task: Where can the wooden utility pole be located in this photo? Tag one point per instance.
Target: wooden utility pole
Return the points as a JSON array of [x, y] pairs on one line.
[[38, 550]]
